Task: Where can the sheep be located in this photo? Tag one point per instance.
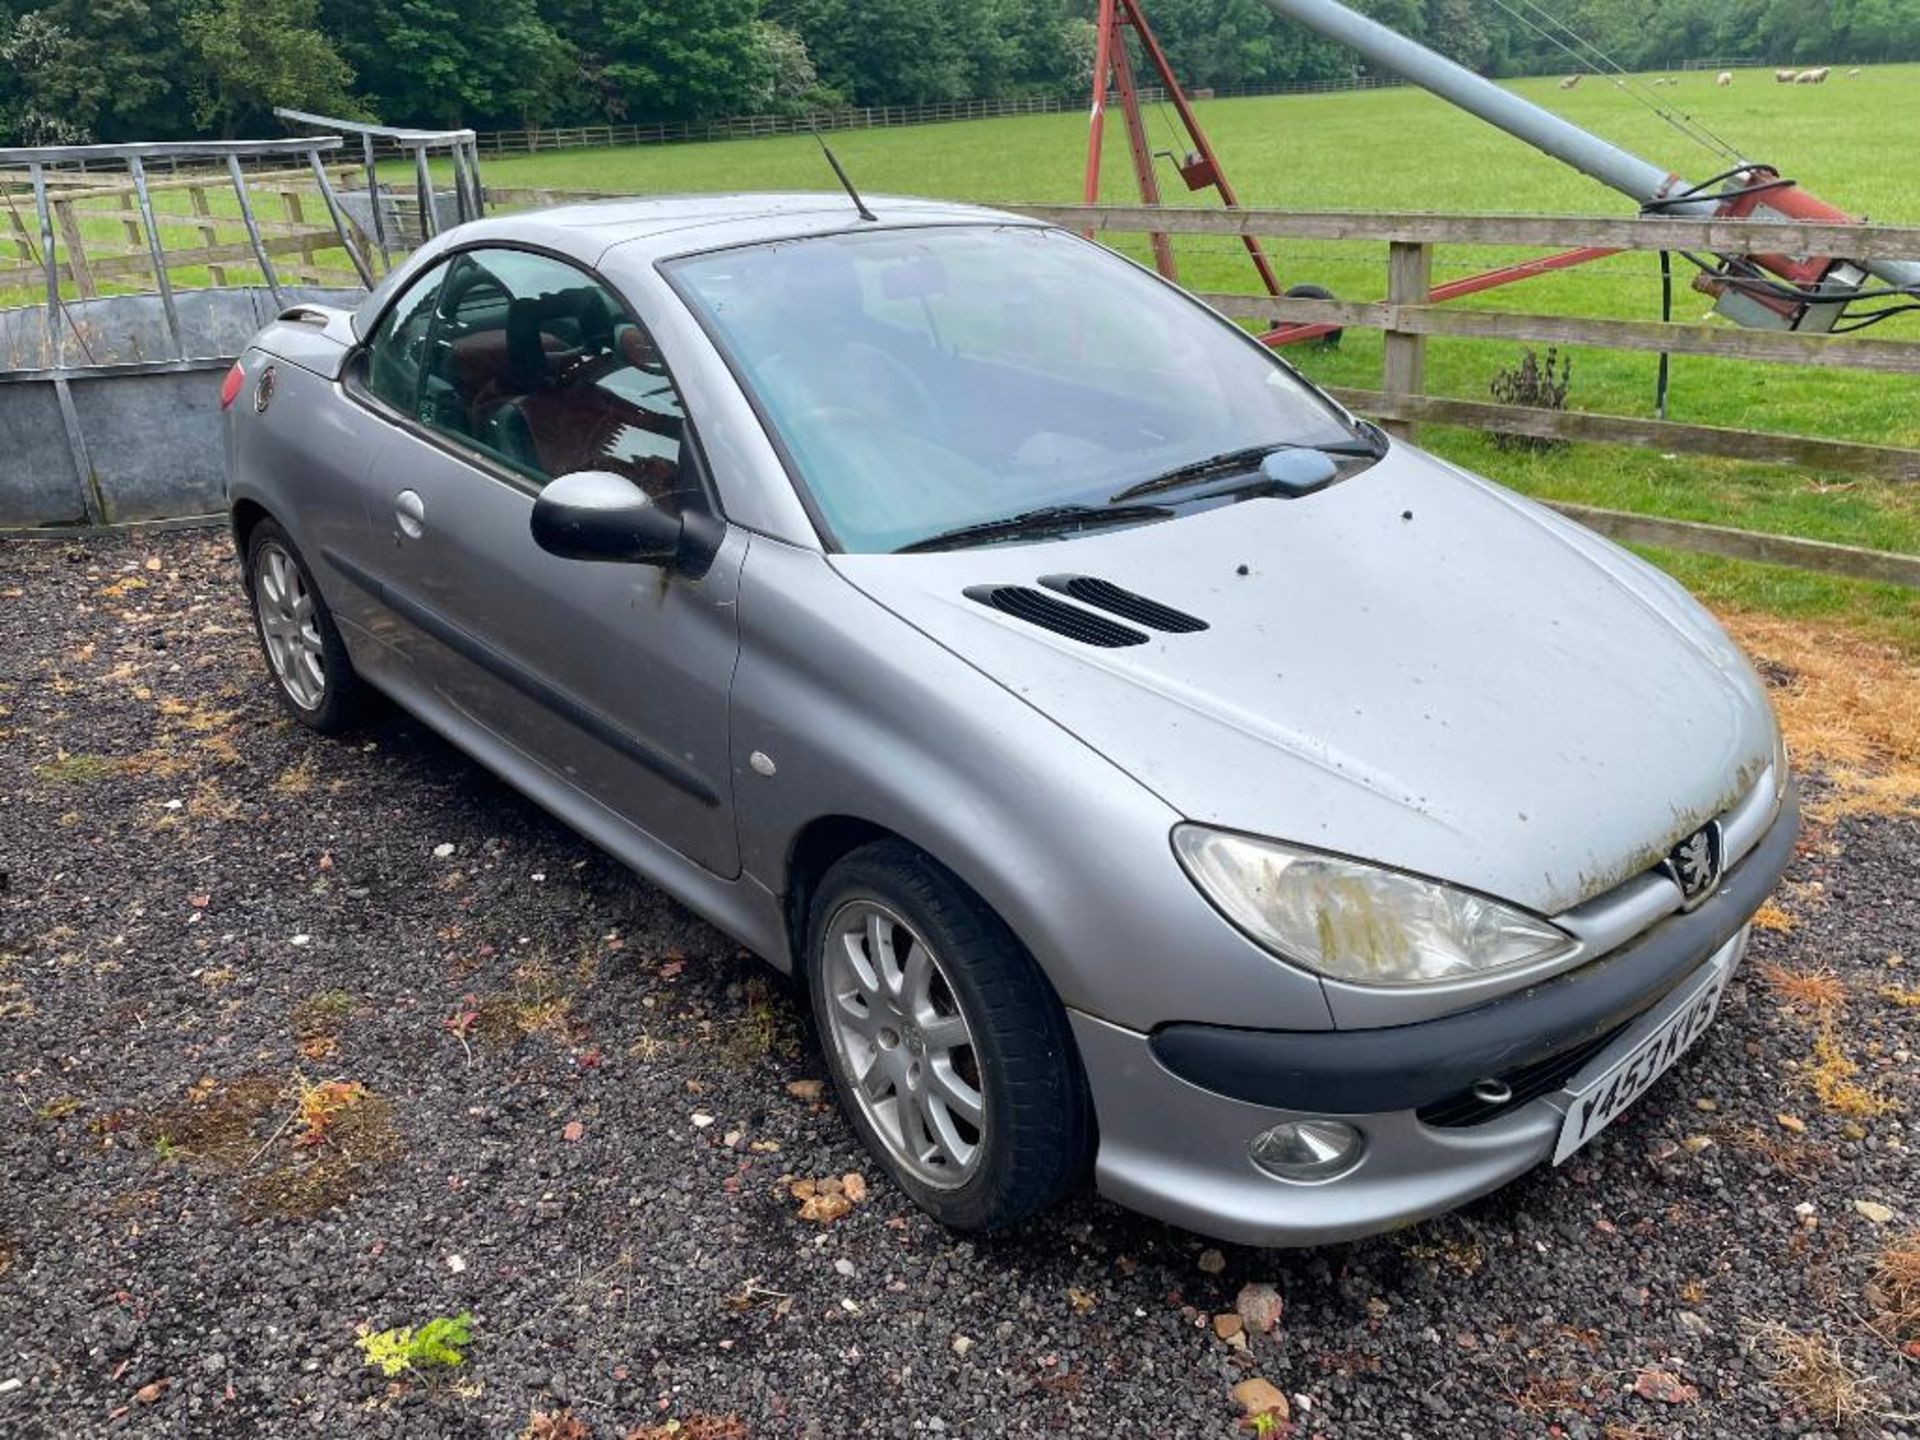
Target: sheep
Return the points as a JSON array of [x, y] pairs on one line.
[[1855, 71], [1569, 82], [1785, 77], [1818, 77], [1725, 77]]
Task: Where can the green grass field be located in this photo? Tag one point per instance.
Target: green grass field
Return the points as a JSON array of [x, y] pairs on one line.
[[1403, 149]]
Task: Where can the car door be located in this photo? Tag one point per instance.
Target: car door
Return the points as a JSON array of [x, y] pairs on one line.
[[613, 677]]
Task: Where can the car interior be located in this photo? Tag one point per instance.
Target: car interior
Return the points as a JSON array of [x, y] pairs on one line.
[[552, 382]]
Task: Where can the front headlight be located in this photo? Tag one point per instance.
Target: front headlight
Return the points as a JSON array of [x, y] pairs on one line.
[[1350, 921]]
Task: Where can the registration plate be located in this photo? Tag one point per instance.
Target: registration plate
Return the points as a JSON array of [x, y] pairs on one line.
[[1665, 1037]]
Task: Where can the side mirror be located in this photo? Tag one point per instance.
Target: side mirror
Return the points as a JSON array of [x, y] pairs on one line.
[[597, 515]]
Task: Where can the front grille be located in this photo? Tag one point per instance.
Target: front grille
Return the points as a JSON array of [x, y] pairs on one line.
[[1528, 1083]]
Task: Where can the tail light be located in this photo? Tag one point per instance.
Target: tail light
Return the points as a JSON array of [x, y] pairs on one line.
[[230, 387]]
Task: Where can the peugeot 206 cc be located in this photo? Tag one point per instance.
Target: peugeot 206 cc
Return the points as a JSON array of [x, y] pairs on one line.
[[1145, 768]]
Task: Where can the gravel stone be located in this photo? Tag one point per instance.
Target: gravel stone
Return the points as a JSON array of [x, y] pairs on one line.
[[164, 830]]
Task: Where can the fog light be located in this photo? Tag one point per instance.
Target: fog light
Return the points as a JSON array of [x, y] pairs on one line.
[[1308, 1149]]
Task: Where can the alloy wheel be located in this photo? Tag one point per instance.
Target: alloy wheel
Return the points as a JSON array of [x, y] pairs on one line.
[[904, 1043], [289, 627]]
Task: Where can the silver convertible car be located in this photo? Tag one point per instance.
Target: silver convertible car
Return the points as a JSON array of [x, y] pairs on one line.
[[1145, 767]]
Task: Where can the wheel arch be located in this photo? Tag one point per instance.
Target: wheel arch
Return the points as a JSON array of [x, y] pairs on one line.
[[245, 518], [816, 847]]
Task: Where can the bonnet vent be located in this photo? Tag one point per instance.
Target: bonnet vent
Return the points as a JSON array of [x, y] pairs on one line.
[[1105, 595], [1038, 608]]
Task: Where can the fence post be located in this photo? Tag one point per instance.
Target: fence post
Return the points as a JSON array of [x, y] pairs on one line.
[[1404, 365], [296, 216], [76, 248], [22, 242], [131, 225], [209, 233]]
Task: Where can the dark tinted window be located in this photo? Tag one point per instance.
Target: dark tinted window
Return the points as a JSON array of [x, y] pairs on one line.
[[542, 368], [397, 353]]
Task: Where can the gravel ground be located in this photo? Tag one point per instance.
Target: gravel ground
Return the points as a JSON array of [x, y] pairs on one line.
[[581, 1111]]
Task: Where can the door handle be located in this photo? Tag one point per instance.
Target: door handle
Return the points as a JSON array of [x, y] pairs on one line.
[[410, 512]]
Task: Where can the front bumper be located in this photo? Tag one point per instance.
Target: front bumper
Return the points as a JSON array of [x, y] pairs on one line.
[[1176, 1119]]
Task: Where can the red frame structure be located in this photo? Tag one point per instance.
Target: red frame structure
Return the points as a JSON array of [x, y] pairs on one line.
[[1113, 68]]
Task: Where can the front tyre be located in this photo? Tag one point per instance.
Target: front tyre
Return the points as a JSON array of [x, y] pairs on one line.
[[304, 653], [950, 1052]]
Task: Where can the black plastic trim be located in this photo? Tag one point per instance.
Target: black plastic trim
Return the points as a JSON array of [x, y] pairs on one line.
[[1105, 595], [535, 687], [1406, 1067], [1044, 612], [1525, 1085]]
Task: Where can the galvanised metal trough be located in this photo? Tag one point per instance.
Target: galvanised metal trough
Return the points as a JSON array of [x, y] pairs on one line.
[[109, 403]]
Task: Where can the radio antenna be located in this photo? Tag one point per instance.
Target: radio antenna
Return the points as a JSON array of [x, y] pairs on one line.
[[841, 175]]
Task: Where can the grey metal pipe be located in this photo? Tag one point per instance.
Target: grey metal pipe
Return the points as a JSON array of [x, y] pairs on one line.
[[373, 198], [360, 265], [1639, 180], [423, 188], [154, 249], [253, 230], [50, 259]]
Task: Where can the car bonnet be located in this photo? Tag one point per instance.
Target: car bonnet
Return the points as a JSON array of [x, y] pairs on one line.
[[1414, 667]]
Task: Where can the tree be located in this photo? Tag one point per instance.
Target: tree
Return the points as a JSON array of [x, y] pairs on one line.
[[448, 63], [113, 72], [1455, 29], [251, 55], [683, 58], [882, 52], [790, 82], [29, 46]]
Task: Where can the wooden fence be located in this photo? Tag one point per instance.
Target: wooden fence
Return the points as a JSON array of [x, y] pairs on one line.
[[864, 117], [1407, 318], [101, 244]]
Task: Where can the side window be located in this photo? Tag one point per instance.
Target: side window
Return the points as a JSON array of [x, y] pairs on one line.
[[544, 369], [397, 354]]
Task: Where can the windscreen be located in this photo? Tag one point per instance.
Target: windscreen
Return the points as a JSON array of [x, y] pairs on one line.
[[920, 380]]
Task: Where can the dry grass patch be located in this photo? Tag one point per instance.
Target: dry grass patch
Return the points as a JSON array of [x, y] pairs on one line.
[[1818, 991], [1812, 1373], [694, 1427], [1802, 1159], [1848, 705], [320, 1145], [68, 769], [766, 1027], [1896, 1283], [536, 1005], [217, 1121], [297, 779], [1831, 1076], [316, 1022]]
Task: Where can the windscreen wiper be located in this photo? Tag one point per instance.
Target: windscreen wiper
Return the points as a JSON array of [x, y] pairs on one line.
[[1045, 520], [1239, 462]]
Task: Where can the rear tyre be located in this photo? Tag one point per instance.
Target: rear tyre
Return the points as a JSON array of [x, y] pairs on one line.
[[305, 656], [948, 1048]]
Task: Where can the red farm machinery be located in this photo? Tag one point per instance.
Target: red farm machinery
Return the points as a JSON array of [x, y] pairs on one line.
[[1831, 293]]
